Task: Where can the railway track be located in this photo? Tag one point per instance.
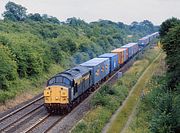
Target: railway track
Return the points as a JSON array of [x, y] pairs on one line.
[[14, 117], [44, 125]]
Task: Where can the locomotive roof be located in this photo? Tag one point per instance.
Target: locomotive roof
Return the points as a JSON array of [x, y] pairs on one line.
[[74, 73]]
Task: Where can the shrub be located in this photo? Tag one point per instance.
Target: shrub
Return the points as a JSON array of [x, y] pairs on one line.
[[8, 67]]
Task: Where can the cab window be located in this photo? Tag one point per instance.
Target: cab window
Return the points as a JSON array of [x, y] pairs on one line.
[[59, 79], [51, 81], [66, 81]]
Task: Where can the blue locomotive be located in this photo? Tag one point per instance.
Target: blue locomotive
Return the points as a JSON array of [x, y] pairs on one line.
[[66, 89]]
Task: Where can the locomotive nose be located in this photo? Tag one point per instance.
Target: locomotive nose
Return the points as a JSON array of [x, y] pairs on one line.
[[56, 94]]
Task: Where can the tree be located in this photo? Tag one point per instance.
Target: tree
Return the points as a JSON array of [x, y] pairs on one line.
[[75, 22], [167, 25], [14, 12], [171, 45], [35, 17], [50, 19]]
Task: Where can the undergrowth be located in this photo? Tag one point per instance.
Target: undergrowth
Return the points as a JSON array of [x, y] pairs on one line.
[[33, 85]]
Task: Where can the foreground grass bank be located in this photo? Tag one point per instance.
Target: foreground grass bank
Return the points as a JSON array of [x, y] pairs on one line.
[[108, 99]]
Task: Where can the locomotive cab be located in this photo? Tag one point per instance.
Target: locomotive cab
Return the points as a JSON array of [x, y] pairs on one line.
[[56, 94], [64, 89]]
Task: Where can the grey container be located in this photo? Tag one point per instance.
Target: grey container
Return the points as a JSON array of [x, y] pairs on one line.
[[100, 68]]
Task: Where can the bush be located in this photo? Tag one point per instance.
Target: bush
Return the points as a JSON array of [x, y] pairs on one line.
[[8, 67]]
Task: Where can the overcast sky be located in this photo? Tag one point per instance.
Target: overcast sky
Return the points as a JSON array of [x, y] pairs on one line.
[[92, 10]]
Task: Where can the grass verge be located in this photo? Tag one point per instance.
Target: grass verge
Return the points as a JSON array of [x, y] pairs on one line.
[[140, 122], [118, 124], [108, 99]]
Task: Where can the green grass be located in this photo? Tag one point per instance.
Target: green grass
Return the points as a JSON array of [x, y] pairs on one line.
[[108, 99]]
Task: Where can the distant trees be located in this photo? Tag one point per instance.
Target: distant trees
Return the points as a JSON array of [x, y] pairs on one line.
[[43, 18], [145, 26], [14, 12], [35, 17]]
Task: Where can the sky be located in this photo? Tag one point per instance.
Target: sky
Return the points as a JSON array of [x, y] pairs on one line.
[[125, 11]]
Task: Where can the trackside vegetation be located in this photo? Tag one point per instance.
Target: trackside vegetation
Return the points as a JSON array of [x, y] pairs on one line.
[[159, 111], [143, 114], [34, 47], [107, 100], [119, 123]]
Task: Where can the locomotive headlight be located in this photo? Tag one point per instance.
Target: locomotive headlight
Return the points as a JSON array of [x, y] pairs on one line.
[[56, 98]]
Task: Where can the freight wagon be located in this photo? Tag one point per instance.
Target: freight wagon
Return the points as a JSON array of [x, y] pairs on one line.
[[133, 48], [99, 67], [143, 41], [121, 55], [113, 60]]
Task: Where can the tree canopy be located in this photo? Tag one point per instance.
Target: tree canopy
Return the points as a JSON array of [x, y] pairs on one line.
[[15, 12], [170, 34], [37, 42]]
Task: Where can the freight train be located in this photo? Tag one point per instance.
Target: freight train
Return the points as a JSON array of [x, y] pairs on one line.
[[67, 89]]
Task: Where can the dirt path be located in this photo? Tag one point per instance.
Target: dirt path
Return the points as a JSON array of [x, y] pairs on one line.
[[147, 74]]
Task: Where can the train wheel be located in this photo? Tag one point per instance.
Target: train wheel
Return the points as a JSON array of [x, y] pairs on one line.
[[68, 109]]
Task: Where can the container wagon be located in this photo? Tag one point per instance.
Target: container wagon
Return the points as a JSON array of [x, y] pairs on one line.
[[113, 60], [133, 48], [121, 55], [99, 67]]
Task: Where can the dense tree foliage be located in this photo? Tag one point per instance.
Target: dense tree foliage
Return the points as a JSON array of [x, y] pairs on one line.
[[167, 25], [8, 67], [35, 41], [170, 33], [145, 26], [164, 99], [14, 12]]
